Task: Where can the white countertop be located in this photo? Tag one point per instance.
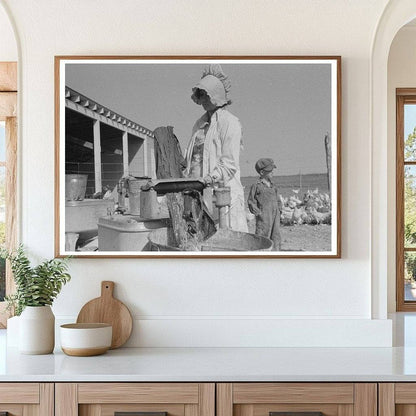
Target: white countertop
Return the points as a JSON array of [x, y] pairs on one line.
[[222, 364], [213, 364]]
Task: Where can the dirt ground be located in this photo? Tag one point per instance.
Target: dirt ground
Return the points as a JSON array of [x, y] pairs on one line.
[[303, 237], [306, 237]]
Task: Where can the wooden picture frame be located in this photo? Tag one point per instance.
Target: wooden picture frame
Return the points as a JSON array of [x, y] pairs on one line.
[[288, 109]]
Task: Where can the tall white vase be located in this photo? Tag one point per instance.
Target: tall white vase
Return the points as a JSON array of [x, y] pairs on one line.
[[37, 330]]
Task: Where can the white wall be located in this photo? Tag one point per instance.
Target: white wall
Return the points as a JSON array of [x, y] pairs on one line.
[[211, 302], [401, 74], [8, 47]]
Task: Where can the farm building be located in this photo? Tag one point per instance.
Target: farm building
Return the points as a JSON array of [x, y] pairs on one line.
[[103, 144]]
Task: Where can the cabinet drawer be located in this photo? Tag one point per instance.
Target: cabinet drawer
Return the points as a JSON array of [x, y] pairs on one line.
[[296, 399], [153, 399]]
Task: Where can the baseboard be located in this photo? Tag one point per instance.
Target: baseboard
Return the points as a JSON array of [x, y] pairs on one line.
[[248, 332]]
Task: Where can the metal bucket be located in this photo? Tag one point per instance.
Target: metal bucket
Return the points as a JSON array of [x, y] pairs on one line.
[[75, 187], [134, 186], [223, 240]]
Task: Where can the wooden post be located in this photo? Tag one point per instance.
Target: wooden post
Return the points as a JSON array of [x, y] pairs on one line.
[[327, 141], [145, 157], [97, 156], [125, 154]]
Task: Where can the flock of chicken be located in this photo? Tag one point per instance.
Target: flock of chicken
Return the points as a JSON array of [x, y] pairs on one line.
[[313, 208]]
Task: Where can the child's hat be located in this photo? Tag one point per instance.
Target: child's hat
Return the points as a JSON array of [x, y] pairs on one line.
[[264, 164]]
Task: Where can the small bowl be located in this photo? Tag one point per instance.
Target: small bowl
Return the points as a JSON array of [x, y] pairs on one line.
[[84, 340]]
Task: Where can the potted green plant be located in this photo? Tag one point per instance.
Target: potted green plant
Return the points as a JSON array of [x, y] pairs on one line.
[[36, 289]]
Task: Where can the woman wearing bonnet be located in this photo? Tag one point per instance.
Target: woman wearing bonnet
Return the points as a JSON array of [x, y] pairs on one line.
[[214, 149]]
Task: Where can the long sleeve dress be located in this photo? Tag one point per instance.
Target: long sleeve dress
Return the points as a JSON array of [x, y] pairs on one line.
[[214, 149]]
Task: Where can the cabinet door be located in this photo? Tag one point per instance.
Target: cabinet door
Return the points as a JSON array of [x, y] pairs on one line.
[[296, 399], [144, 399], [397, 399], [26, 399]]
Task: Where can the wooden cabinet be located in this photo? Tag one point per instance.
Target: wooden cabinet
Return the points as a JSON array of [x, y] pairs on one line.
[[208, 399], [27, 399], [106, 399], [397, 399], [297, 399]]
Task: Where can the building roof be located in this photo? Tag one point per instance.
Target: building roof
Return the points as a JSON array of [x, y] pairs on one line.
[[79, 102]]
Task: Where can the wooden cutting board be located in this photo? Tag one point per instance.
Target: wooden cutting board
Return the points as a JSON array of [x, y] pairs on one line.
[[107, 309]]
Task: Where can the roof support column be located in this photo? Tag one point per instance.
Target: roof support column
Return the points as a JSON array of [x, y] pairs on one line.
[[97, 156], [125, 154], [145, 157]]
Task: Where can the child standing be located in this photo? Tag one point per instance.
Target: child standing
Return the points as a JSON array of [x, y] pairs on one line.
[[264, 203]]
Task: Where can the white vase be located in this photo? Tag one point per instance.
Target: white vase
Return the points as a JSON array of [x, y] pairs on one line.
[[37, 330], [13, 331]]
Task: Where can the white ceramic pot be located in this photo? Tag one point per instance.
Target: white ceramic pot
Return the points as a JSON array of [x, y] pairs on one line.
[[37, 330], [86, 339]]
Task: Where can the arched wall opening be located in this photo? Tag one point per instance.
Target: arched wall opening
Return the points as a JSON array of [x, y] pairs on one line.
[[401, 74], [396, 14]]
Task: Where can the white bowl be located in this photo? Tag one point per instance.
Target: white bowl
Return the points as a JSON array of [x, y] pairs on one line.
[[83, 340]]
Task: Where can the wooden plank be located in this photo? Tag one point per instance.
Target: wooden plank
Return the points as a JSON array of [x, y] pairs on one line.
[[138, 393], [47, 399], [8, 105], [66, 399], [405, 393], [293, 393], [207, 399], [27, 393], [365, 403], [386, 399], [224, 399], [8, 76]]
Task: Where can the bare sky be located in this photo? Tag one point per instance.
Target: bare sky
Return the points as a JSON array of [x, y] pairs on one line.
[[409, 119], [285, 109]]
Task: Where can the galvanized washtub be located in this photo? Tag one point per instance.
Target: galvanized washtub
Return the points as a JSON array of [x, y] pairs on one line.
[[223, 240]]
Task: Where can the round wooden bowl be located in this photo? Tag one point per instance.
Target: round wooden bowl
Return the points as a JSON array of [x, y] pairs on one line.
[[86, 339]]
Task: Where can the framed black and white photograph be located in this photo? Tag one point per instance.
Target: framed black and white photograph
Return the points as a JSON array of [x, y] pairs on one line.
[[198, 156]]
